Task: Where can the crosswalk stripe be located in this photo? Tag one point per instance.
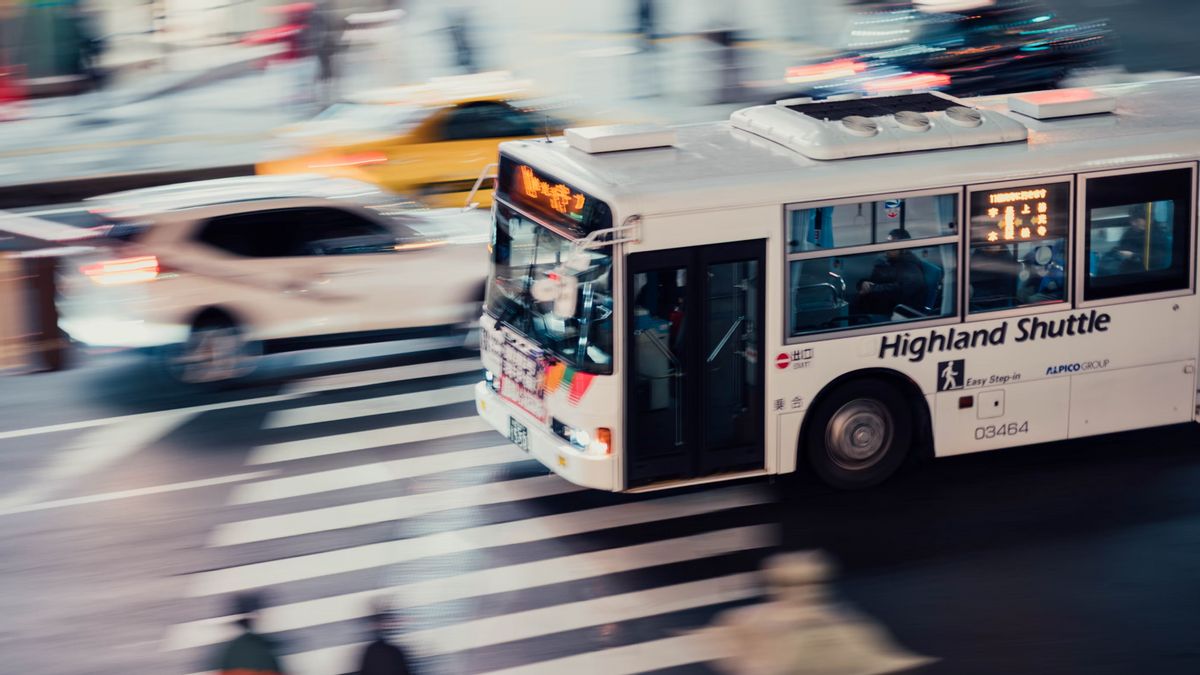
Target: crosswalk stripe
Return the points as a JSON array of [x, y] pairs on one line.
[[583, 613], [563, 569], [384, 375], [256, 575], [387, 509], [539, 622], [296, 390], [380, 405], [374, 473], [364, 440], [640, 657]]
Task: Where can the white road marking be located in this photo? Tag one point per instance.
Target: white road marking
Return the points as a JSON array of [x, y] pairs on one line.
[[581, 614], [146, 416], [374, 473], [383, 375], [297, 390], [364, 440], [92, 452], [380, 405], [138, 492], [52, 212], [257, 575], [546, 621], [387, 509], [641, 657], [563, 569]]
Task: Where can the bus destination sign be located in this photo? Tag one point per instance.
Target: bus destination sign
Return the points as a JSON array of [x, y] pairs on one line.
[[1019, 215], [551, 200], [534, 189]]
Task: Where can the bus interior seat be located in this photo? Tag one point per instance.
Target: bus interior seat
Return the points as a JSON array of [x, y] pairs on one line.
[[818, 300], [934, 286]]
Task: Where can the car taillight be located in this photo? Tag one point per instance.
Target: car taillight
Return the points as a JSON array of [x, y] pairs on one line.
[[123, 271], [824, 71], [908, 81]]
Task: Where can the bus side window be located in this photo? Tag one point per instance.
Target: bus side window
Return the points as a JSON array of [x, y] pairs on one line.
[[856, 284], [902, 284], [1138, 236], [818, 228], [1018, 246]]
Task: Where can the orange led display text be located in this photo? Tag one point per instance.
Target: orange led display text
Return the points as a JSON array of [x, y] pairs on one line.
[[549, 195], [1023, 215]]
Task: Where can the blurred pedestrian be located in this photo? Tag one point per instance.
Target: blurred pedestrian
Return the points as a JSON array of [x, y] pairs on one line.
[[328, 37], [382, 657], [90, 46], [249, 652], [645, 81], [460, 35], [647, 24]]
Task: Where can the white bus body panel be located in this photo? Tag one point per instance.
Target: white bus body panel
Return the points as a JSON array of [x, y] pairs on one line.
[[720, 184]]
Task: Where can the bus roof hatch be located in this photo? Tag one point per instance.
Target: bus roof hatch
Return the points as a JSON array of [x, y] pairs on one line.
[[617, 137], [881, 125]]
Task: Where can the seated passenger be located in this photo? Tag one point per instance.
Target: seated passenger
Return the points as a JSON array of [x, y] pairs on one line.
[[1133, 248], [897, 279]]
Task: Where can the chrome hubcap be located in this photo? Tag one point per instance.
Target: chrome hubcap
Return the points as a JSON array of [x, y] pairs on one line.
[[859, 434]]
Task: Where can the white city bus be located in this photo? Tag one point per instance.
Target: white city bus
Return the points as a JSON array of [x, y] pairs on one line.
[[835, 285]]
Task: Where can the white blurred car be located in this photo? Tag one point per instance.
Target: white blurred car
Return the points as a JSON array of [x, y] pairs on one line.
[[215, 273]]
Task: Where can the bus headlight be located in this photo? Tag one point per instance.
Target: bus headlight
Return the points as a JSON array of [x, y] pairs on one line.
[[599, 443], [491, 380]]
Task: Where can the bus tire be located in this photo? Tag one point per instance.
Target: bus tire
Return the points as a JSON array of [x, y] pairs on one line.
[[859, 435]]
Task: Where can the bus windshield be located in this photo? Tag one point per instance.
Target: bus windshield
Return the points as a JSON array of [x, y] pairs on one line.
[[563, 303]]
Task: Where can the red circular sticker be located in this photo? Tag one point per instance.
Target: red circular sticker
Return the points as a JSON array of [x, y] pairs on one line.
[[782, 361]]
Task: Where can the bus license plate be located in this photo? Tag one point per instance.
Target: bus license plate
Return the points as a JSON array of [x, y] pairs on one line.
[[518, 434]]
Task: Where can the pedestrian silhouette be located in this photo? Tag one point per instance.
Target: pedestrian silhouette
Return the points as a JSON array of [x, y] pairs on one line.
[[249, 652], [382, 657], [460, 37], [949, 376]]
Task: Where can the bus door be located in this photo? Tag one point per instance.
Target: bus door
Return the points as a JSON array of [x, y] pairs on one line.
[[695, 374]]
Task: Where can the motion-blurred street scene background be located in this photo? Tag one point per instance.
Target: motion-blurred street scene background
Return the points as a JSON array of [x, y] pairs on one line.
[[115, 86], [146, 487]]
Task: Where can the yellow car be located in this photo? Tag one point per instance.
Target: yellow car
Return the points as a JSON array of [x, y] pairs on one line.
[[429, 141]]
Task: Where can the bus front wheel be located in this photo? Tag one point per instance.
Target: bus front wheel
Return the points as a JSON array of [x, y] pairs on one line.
[[859, 434]]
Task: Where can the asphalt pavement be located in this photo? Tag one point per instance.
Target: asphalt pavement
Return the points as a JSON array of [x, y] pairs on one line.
[[131, 512]]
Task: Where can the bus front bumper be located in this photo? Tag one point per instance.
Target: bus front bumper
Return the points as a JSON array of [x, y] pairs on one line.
[[580, 468]]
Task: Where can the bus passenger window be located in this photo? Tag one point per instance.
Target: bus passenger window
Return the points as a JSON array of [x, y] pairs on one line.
[[1139, 230], [862, 223], [1019, 244], [839, 278], [907, 283]]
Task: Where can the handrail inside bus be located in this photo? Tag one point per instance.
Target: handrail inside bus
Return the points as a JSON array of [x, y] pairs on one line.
[[728, 334], [483, 175]]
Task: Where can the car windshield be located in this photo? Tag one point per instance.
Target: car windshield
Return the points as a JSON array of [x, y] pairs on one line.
[[556, 295]]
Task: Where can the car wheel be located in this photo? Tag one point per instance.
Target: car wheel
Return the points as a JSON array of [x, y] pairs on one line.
[[215, 351], [859, 434]]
